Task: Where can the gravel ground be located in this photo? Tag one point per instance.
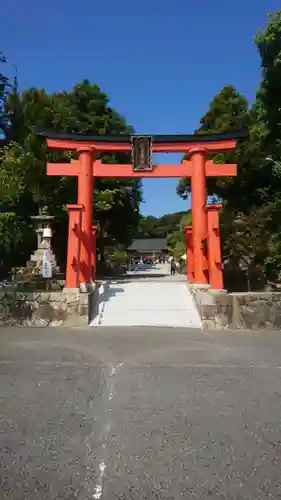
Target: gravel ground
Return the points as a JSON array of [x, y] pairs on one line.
[[139, 414]]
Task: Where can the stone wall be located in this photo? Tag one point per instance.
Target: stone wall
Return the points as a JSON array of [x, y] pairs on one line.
[[46, 309], [245, 311]]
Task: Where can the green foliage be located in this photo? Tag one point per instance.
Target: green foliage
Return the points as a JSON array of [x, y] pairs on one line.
[[176, 238], [250, 224], [268, 42], [24, 186], [17, 238], [228, 112], [12, 165], [4, 88], [153, 227], [169, 226]]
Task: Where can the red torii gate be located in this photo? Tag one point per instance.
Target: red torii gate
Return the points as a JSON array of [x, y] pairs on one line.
[[198, 167]]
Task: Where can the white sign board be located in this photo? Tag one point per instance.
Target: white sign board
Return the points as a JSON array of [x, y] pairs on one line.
[[47, 265]]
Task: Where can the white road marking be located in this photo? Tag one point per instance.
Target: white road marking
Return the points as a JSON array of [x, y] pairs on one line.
[[99, 486]]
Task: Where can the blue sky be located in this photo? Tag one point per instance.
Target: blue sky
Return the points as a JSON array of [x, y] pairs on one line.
[[160, 62]]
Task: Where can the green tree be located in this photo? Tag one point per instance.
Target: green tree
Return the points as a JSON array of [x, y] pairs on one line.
[[176, 238], [251, 198], [4, 88], [12, 179], [17, 238], [268, 42], [159, 227], [83, 110], [228, 112]]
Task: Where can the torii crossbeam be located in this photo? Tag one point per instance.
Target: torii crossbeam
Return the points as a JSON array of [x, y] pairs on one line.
[[197, 167], [100, 169]]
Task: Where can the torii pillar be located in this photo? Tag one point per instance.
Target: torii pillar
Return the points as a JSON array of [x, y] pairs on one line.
[[215, 272], [189, 253], [85, 198], [74, 246], [214, 246], [199, 216]]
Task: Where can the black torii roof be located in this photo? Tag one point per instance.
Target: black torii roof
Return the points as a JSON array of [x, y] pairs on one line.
[[157, 139], [148, 245]]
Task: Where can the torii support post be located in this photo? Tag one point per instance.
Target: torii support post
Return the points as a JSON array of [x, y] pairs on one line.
[[73, 246], [199, 219], [94, 251], [189, 253], [85, 198], [215, 259]]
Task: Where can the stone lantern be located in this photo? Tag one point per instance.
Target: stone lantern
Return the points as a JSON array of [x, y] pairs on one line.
[[43, 226]]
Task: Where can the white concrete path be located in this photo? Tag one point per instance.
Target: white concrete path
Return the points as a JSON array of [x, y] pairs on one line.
[[144, 302]]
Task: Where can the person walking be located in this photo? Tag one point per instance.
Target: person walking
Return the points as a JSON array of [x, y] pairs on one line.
[[173, 267]]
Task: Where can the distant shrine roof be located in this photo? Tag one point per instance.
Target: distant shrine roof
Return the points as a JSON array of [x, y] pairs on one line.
[[148, 245]]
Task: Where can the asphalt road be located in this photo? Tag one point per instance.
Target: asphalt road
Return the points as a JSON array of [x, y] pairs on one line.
[[139, 414]]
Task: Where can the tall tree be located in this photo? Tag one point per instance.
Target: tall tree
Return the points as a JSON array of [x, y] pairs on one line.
[[250, 198], [4, 87], [228, 112], [268, 103], [83, 110]]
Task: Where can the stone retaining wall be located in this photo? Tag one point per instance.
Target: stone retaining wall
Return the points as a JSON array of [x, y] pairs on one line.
[[246, 311], [49, 309]]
